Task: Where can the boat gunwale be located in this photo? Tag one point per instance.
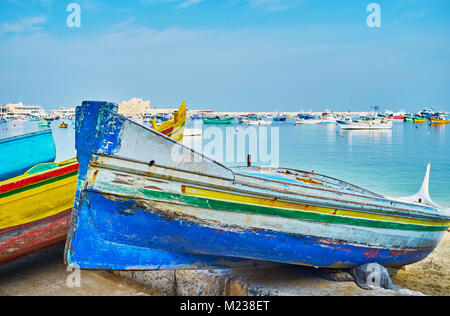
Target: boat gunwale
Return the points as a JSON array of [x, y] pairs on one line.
[[9, 139], [96, 164], [28, 182], [405, 226], [173, 141], [394, 212], [304, 186]]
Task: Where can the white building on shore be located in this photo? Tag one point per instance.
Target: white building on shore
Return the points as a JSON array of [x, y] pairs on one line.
[[63, 112], [21, 111]]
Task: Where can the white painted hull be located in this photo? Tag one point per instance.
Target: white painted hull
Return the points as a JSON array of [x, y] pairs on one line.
[[366, 126], [308, 122]]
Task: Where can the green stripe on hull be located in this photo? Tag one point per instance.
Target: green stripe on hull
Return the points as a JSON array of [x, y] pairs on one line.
[[263, 210], [37, 185]]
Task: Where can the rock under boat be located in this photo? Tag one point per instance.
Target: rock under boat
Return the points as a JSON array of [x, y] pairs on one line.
[[146, 202]]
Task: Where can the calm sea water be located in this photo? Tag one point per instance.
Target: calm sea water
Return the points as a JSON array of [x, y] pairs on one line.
[[386, 162]]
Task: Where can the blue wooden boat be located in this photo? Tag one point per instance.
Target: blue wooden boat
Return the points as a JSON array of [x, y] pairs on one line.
[[20, 153], [146, 202]]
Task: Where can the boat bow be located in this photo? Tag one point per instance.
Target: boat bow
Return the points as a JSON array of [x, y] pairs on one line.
[[423, 196]]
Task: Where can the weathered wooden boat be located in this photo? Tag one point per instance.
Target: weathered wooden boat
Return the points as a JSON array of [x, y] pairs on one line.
[[20, 153], [146, 202], [35, 208], [173, 128], [226, 120]]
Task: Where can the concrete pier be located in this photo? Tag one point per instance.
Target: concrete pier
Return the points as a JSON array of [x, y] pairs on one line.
[[44, 274], [279, 280]]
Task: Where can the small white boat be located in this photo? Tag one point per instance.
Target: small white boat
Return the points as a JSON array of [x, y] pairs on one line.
[[308, 121], [259, 122], [374, 125]]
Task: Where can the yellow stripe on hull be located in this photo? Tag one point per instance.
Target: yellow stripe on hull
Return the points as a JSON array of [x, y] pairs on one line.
[[229, 197], [37, 203]]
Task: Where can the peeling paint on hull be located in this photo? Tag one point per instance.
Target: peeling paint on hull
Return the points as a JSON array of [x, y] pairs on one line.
[[20, 153], [35, 209], [127, 236]]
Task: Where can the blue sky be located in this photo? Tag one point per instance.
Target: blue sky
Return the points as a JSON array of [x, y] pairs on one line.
[[236, 55]]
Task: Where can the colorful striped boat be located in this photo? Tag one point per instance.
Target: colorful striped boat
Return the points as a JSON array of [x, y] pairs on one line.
[[173, 128], [146, 202], [35, 208], [419, 120], [439, 121], [20, 153]]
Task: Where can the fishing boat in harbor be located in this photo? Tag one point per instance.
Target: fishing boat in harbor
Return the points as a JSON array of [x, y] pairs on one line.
[[218, 120], [44, 124], [308, 120], [373, 124], [328, 117], [278, 117], [146, 202], [174, 127], [439, 119], [408, 118], [419, 120], [35, 208], [19, 153], [63, 125], [258, 122]]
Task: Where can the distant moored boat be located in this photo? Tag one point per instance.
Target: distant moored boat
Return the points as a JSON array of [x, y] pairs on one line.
[[227, 120], [365, 125]]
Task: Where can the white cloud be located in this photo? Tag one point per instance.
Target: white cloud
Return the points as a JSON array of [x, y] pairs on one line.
[[274, 5], [24, 24], [180, 4]]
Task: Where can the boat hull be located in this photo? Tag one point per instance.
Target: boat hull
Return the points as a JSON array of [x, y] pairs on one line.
[[18, 154], [219, 121], [308, 122], [364, 126], [25, 239], [35, 210], [153, 229], [439, 121]]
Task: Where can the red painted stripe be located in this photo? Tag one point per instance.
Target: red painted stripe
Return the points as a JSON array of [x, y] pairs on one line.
[[42, 221], [34, 236], [38, 178], [167, 131]]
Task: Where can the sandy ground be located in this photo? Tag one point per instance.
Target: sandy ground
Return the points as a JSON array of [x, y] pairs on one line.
[[430, 276], [44, 274]]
